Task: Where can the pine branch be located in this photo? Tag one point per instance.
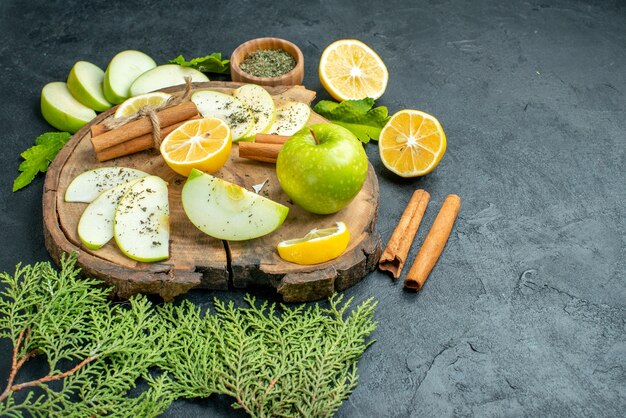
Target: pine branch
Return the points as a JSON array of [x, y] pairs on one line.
[[68, 319], [52, 377], [273, 360], [15, 363]]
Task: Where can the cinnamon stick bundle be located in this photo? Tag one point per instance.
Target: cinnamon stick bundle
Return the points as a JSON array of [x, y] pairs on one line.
[[167, 117], [264, 152], [394, 256], [434, 243]]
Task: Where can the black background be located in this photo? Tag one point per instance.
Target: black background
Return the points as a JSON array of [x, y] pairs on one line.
[[525, 313]]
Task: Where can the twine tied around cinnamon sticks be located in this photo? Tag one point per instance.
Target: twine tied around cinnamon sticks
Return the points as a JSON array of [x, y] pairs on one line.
[[145, 129]]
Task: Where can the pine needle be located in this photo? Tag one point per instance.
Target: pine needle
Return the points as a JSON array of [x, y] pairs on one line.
[[273, 360]]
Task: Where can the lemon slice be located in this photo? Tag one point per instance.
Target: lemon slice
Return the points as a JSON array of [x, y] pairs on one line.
[[318, 246], [131, 106], [412, 143], [351, 70], [203, 144]]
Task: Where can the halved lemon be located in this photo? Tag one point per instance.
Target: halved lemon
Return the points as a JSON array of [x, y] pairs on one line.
[[412, 143], [203, 144], [318, 246], [131, 106], [351, 70]]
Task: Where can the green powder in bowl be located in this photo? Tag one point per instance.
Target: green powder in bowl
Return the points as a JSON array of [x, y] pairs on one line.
[[268, 63]]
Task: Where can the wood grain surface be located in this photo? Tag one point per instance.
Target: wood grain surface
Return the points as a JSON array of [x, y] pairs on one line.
[[197, 260]]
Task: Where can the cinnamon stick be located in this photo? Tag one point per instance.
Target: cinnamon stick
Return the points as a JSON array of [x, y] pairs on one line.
[[394, 256], [270, 139], [98, 129], [134, 145], [267, 153], [167, 117], [434, 243]]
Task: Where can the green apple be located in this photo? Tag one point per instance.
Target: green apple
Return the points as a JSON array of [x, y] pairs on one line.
[[226, 107], [141, 225], [85, 84], [227, 211], [290, 118], [164, 76], [262, 105], [61, 110], [88, 185], [95, 227], [322, 168], [123, 69]]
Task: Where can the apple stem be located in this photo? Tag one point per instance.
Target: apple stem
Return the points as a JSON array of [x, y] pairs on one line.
[[314, 137]]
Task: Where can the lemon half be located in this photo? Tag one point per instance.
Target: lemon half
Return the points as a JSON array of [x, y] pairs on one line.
[[351, 70], [318, 246]]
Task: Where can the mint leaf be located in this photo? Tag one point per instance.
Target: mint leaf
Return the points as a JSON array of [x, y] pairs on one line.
[[209, 64], [358, 116], [38, 157]]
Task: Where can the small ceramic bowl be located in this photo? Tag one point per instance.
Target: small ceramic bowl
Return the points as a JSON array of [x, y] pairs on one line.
[[293, 77]]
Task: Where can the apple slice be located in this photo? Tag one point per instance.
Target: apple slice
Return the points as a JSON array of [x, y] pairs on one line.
[[95, 227], [226, 107], [85, 84], [88, 185], [262, 106], [290, 118], [123, 69], [61, 110], [141, 225], [164, 76], [227, 211]]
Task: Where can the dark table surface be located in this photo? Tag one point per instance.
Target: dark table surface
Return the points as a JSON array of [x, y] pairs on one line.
[[525, 313]]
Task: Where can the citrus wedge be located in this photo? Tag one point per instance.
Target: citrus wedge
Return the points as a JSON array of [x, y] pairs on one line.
[[351, 70], [131, 106], [318, 246], [203, 144], [412, 143]]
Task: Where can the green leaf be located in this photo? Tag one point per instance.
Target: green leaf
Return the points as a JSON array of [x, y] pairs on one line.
[[38, 157], [358, 116], [209, 64]]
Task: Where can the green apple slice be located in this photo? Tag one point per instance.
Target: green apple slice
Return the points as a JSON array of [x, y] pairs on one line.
[[85, 84], [141, 224], [61, 110], [88, 185], [123, 69], [95, 227], [164, 76], [227, 211], [262, 106], [290, 118], [228, 108]]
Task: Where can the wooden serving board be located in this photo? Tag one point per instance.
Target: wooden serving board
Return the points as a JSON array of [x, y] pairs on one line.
[[197, 260]]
